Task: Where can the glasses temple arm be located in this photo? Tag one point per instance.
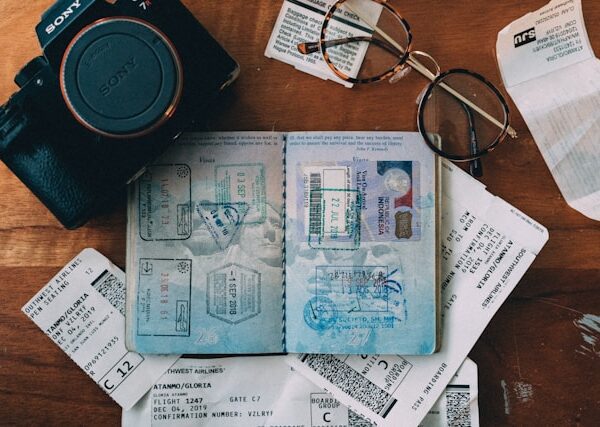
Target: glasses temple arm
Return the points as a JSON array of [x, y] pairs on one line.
[[475, 165], [418, 66], [313, 47]]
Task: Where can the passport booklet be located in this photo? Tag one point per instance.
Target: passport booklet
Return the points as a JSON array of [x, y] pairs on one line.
[[304, 242]]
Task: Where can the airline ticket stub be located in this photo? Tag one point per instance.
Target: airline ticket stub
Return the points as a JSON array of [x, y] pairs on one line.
[[82, 309], [265, 391]]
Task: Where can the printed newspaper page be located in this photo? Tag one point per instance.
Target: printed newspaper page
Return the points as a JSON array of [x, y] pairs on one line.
[[301, 20]]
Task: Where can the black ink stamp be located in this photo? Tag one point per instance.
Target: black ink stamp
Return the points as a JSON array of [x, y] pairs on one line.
[[223, 220], [233, 293], [366, 297], [164, 205], [164, 297]]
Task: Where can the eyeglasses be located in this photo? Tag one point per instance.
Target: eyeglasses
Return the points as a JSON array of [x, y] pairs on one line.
[[461, 115]]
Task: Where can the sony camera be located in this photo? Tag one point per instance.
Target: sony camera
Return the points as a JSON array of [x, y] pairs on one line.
[[118, 82]]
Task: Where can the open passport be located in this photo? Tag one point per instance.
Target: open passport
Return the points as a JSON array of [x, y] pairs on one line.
[[312, 242]]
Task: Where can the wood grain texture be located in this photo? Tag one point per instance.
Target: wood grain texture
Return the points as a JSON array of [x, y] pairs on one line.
[[533, 343]]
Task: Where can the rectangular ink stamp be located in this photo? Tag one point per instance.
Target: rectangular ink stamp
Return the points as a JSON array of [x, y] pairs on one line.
[[164, 296], [357, 289], [233, 294], [165, 203], [354, 299], [315, 177]]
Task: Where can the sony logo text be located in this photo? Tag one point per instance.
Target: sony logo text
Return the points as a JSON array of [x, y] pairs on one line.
[[60, 19], [117, 78]]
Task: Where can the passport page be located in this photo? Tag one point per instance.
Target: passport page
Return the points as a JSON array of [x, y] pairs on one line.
[[361, 231], [205, 247]]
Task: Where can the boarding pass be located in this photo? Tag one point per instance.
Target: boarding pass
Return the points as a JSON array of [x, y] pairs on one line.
[[82, 309], [264, 391]]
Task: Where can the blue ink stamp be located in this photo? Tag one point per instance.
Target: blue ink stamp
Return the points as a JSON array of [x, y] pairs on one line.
[[366, 297], [223, 220], [243, 183], [357, 289], [164, 297], [320, 313], [165, 194], [233, 293]]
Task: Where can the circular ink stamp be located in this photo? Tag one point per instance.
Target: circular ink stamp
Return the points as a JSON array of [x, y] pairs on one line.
[[320, 313]]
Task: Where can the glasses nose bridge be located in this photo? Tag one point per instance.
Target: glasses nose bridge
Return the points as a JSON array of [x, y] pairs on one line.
[[432, 71]]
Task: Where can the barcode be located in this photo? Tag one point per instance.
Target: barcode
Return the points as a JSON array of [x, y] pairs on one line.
[[111, 288], [351, 382], [458, 406], [357, 420], [315, 204]]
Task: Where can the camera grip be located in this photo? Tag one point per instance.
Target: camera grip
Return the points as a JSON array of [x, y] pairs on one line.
[[46, 172]]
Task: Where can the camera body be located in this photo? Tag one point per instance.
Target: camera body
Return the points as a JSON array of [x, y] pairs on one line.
[[118, 83]]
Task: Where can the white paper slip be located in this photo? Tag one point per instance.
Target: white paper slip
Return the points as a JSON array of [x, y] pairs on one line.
[[301, 21], [265, 391], [487, 246], [82, 310], [552, 75]]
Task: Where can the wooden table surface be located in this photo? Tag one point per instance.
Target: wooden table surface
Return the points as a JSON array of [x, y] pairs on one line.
[[537, 364]]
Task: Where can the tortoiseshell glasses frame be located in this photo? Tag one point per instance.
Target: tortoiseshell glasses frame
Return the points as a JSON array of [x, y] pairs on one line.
[[404, 55]]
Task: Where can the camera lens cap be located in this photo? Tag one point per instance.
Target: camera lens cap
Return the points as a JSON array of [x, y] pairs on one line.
[[121, 77]]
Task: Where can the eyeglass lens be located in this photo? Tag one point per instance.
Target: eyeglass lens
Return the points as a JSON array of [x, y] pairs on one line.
[[463, 133], [349, 39]]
